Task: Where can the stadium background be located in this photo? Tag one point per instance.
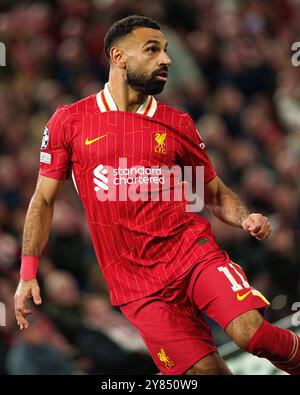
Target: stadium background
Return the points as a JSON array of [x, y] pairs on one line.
[[232, 72]]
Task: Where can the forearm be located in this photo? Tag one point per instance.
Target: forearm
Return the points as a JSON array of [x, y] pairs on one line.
[[228, 207], [37, 226]]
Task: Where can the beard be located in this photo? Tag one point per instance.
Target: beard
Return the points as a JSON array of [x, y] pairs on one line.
[[144, 84]]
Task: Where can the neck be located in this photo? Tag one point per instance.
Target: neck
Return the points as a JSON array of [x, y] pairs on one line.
[[125, 97]]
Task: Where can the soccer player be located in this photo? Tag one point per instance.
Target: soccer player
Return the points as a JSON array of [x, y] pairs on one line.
[[160, 260]]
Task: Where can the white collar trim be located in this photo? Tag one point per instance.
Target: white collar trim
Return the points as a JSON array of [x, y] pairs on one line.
[[147, 108]]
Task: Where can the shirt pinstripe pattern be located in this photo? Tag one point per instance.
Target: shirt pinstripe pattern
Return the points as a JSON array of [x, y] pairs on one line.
[[141, 246]]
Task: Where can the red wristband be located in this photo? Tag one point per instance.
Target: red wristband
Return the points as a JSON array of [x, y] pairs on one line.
[[29, 267]]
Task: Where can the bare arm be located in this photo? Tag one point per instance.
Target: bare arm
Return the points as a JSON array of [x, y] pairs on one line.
[[224, 203], [39, 216], [35, 236], [228, 207]]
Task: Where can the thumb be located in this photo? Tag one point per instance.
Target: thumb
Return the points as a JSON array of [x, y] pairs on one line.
[[35, 291]]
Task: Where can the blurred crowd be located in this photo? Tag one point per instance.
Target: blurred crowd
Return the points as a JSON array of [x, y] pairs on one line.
[[232, 72]]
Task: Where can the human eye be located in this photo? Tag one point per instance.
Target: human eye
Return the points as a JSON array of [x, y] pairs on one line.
[[152, 49]]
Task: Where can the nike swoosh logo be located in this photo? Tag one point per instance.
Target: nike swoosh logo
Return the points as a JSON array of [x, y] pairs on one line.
[[89, 142], [255, 292], [242, 297]]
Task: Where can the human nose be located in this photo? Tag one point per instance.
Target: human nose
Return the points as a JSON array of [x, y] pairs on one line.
[[165, 59]]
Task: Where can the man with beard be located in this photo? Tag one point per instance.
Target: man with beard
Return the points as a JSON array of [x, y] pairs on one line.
[[161, 261]]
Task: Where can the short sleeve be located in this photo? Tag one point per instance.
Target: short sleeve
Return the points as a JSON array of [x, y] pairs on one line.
[[55, 154], [194, 152]]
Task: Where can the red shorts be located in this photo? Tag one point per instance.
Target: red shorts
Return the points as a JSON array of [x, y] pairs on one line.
[[171, 323]]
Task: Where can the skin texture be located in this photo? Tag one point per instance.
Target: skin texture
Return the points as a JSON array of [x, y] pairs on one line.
[[243, 327], [35, 236], [240, 330], [211, 364], [144, 53], [39, 216], [228, 207]]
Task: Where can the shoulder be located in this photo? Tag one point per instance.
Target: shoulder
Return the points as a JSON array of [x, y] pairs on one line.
[[80, 107], [173, 115], [179, 120]]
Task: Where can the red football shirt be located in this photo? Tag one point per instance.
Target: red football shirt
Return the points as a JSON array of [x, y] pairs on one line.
[[141, 245]]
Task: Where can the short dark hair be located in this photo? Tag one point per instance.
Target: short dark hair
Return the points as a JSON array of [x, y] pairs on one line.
[[125, 26]]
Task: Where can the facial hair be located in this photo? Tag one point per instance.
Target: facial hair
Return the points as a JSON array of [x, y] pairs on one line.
[[145, 84]]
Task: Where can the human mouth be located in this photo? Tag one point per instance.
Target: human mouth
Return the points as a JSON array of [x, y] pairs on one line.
[[163, 75]]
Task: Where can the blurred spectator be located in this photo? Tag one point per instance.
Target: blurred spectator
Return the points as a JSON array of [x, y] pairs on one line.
[[34, 353], [67, 246], [7, 332], [287, 99], [63, 302], [111, 342]]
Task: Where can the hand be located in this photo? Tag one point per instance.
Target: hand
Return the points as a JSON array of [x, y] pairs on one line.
[[258, 226], [26, 290]]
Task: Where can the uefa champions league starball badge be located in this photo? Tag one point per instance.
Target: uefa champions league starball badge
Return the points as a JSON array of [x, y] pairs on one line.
[[45, 140]]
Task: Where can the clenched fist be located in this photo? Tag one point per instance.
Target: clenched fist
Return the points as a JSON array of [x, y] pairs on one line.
[[257, 225]]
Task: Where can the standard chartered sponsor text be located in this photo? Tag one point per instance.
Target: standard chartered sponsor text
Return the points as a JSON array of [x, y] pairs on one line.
[[144, 183]]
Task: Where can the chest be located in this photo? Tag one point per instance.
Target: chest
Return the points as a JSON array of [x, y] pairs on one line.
[[107, 138]]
